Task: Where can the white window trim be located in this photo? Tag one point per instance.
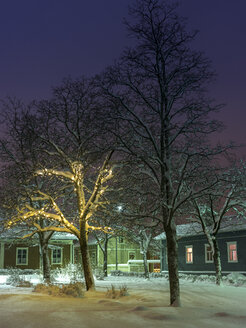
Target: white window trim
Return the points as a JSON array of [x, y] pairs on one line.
[[16, 260], [207, 261], [189, 246], [61, 256], [228, 251]]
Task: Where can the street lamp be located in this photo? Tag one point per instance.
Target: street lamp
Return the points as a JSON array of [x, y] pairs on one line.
[[119, 209]]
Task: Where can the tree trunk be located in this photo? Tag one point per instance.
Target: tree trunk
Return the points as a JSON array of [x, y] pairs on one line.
[[45, 260], [172, 251], [146, 269], [217, 262], [89, 279], [46, 263], [105, 258]]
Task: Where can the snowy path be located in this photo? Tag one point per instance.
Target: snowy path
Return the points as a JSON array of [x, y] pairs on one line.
[[203, 305]]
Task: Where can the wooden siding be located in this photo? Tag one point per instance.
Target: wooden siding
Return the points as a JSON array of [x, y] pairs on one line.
[[92, 253], [123, 250], [33, 255], [198, 242], [10, 256]]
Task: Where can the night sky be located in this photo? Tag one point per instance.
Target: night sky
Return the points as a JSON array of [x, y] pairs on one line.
[[43, 41]]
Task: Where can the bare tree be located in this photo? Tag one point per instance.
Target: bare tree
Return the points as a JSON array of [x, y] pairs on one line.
[[105, 218], [143, 235], [18, 150], [156, 97]]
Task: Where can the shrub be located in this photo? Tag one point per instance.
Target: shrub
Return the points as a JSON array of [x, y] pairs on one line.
[[99, 274], [72, 289], [116, 273], [123, 291], [9, 270], [137, 274], [24, 283], [47, 289], [113, 293], [73, 271], [236, 279], [14, 277]]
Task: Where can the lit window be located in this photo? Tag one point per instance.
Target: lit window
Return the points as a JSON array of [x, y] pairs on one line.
[[208, 254], [232, 251], [189, 254], [57, 256], [22, 256]]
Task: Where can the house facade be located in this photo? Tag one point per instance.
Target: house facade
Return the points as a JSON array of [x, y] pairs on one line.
[[25, 253], [195, 254], [123, 255]]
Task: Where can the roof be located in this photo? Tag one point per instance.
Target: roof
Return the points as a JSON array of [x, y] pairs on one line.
[[63, 236], [192, 229], [19, 232]]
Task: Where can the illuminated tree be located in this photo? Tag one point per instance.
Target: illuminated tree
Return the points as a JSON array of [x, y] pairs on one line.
[[88, 201], [66, 131]]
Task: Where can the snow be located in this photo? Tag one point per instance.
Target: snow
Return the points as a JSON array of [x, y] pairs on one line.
[[147, 305]]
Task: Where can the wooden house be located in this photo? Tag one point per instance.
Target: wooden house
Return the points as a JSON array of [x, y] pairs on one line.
[[195, 255], [25, 253], [123, 255]]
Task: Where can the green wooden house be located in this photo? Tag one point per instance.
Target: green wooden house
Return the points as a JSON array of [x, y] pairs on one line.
[[123, 255]]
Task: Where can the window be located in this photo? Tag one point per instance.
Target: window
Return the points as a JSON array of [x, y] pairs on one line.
[[93, 258], [131, 255], [208, 254], [57, 256], [189, 254], [232, 251], [166, 256], [121, 240], [21, 256]]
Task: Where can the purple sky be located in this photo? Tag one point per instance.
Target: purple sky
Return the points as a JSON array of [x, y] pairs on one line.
[[43, 41]]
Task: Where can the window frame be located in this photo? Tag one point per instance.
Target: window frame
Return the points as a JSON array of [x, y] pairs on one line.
[[206, 252], [228, 251], [52, 258], [186, 253], [21, 248]]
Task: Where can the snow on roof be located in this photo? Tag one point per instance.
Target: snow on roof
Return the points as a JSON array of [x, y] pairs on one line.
[[63, 236], [20, 232], [231, 223]]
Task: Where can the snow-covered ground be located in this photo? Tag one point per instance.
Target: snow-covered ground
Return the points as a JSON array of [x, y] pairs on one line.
[[147, 305]]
